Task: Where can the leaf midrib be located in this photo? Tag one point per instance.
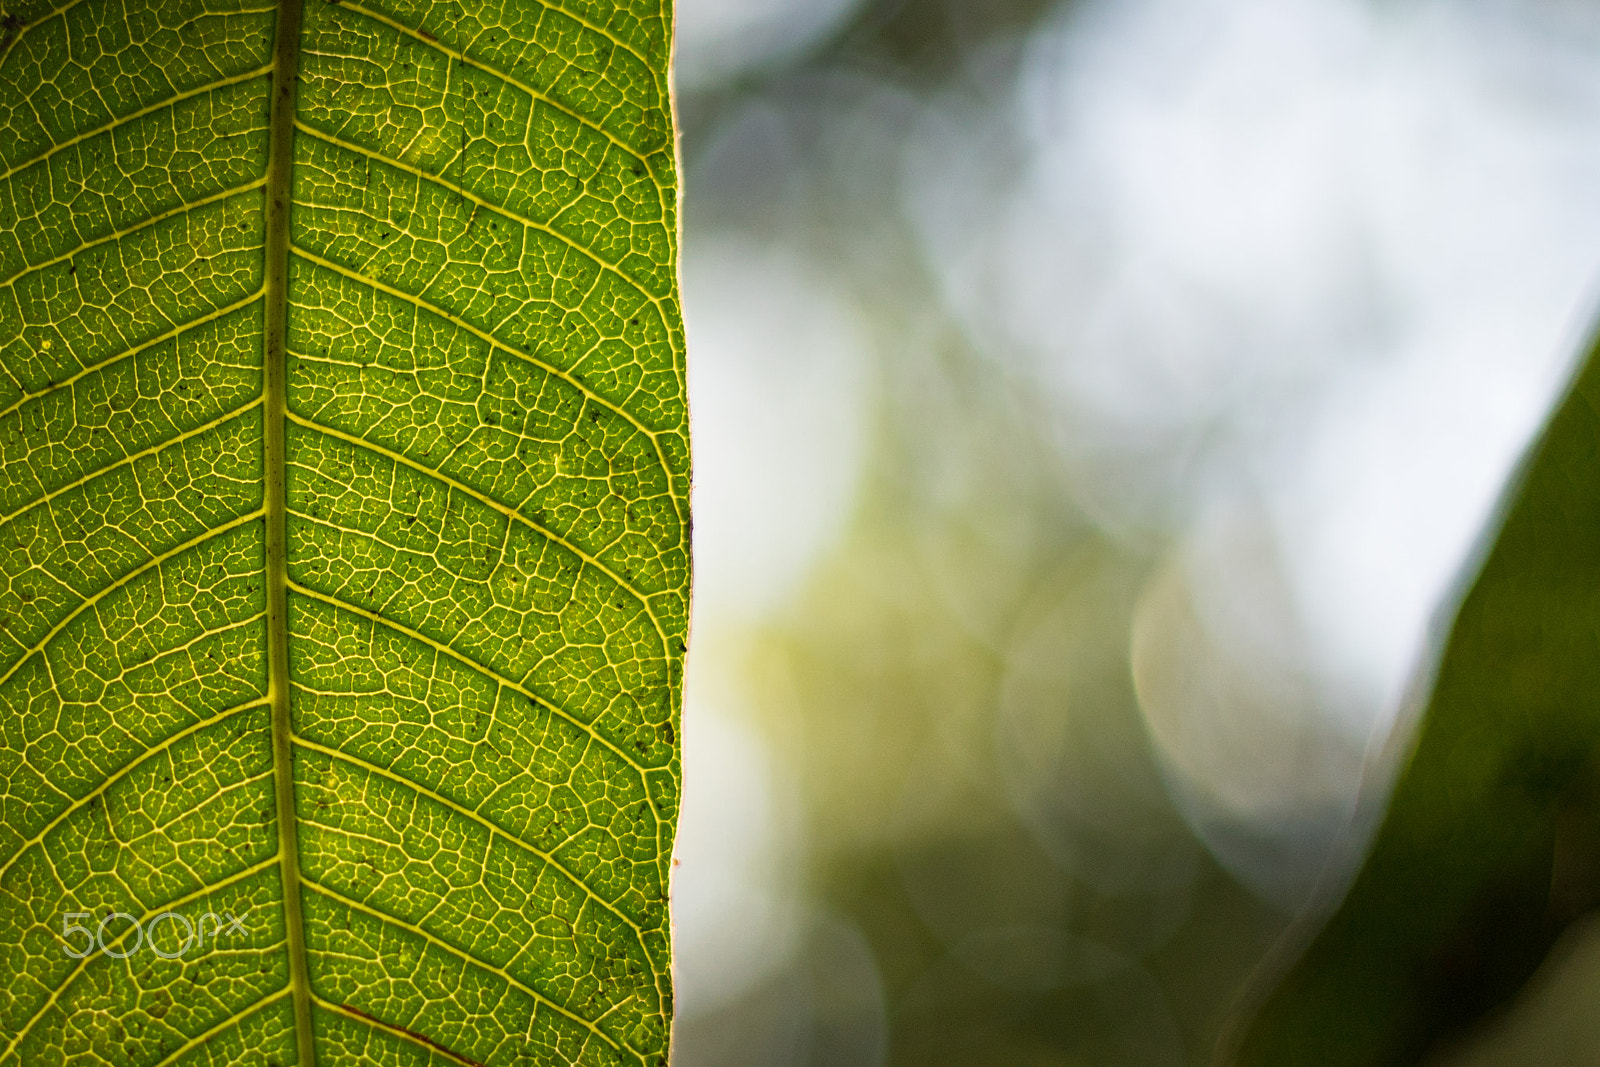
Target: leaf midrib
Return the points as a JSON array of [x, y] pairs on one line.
[[275, 385]]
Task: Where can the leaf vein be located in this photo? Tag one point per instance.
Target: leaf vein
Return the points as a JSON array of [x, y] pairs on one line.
[[148, 109], [399, 1031], [468, 661], [490, 502], [121, 772], [494, 342], [132, 457], [232, 1020], [509, 79], [121, 354], [466, 194], [126, 231], [477, 817], [144, 568], [39, 1013], [467, 957]]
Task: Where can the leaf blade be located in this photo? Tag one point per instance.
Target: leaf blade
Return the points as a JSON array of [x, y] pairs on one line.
[[472, 439]]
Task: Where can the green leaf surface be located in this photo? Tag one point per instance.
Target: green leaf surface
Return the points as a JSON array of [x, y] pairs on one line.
[[1491, 842], [343, 532]]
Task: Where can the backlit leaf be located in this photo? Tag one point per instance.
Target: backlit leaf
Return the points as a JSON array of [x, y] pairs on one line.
[[343, 532]]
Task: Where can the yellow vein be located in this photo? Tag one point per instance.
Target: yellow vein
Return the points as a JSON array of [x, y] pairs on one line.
[[465, 957], [122, 354], [159, 830], [509, 79], [567, 376], [160, 834], [187, 645], [232, 1020], [328, 524], [152, 563], [494, 342], [64, 8], [617, 1007], [375, 1023], [466, 194], [41, 20], [487, 672], [135, 228], [275, 385], [132, 457], [488, 824], [203, 891], [607, 34], [127, 768], [491, 502], [149, 109]]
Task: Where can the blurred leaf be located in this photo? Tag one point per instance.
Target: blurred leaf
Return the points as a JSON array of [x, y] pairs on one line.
[[343, 537], [1490, 846]]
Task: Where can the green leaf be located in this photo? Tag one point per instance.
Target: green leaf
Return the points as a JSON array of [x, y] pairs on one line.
[[343, 532], [1491, 843]]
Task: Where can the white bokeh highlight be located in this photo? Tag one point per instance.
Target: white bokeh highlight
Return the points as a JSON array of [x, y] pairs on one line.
[[778, 372], [721, 39], [1322, 262], [735, 890], [778, 396]]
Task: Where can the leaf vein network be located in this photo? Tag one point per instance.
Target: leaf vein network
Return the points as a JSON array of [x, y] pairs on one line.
[[468, 661], [143, 224], [374, 1023], [232, 1020], [563, 10], [466, 957], [488, 501], [149, 913], [495, 342], [149, 109], [169, 334], [179, 438], [111, 587], [482, 820], [147, 754], [509, 79], [480, 201]]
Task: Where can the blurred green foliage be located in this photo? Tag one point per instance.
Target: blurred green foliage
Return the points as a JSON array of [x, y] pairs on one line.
[[983, 808], [1490, 845]]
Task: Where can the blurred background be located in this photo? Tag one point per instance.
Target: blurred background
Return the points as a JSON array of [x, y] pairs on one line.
[[1097, 407]]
